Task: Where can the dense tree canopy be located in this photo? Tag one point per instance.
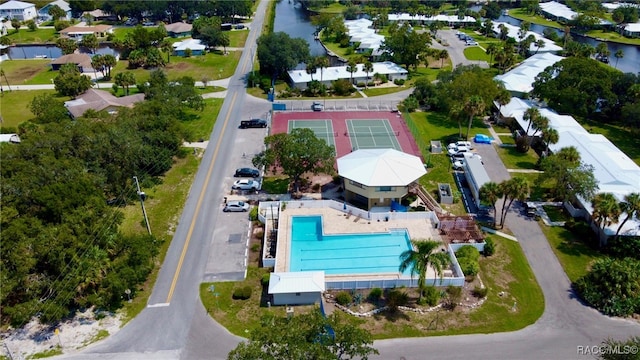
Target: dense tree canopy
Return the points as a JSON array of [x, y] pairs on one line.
[[279, 53], [405, 45], [305, 336], [62, 249], [296, 153], [568, 175], [70, 81]]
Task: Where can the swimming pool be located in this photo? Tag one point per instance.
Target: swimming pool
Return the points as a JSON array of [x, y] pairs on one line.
[[311, 250]]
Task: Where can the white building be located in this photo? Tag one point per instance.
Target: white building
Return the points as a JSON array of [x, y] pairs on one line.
[[10, 138], [360, 31], [519, 80], [631, 30], [43, 13], [300, 79], [296, 288], [614, 171], [549, 46], [20, 10], [557, 11], [450, 20]]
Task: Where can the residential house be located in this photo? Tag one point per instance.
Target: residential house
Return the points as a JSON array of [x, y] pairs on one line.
[[99, 15], [296, 288], [450, 20], [377, 177], [78, 32], [300, 78], [179, 29], [100, 100], [556, 11], [631, 30], [195, 45], [514, 33], [83, 61], [20, 10], [43, 13], [519, 80]]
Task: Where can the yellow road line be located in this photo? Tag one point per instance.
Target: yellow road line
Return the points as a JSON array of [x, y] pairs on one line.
[[204, 189]]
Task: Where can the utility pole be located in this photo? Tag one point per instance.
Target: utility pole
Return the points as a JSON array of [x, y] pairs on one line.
[[142, 196]]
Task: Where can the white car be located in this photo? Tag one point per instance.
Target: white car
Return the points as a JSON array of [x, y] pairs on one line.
[[458, 165], [460, 143], [472, 43], [458, 150], [246, 184], [236, 206]]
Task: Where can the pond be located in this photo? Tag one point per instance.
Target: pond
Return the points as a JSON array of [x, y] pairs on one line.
[[294, 21]]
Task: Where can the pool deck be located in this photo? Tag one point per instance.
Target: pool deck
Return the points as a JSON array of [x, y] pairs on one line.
[[337, 222]]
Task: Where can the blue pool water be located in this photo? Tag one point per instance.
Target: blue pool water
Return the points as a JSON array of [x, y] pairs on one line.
[[311, 250]]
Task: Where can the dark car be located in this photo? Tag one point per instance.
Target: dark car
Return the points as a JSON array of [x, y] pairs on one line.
[[253, 123], [247, 172]]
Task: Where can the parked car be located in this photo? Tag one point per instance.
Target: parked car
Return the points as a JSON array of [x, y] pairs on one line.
[[458, 165], [532, 210], [317, 106], [253, 123], [471, 43], [247, 172], [482, 139], [460, 143], [236, 206], [148, 23], [246, 184], [458, 150]]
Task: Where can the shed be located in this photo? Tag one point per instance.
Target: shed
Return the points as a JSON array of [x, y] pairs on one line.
[[296, 288], [436, 147], [445, 194], [10, 138]]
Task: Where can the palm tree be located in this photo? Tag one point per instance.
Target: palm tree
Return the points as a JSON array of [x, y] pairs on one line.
[[619, 55], [125, 79], [352, 67], [322, 62], [492, 49], [550, 136], [503, 97], [539, 45], [311, 67], [368, 68], [474, 106], [630, 206], [606, 210], [539, 124], [442, 55], [516, 188], [166, 46], [530, 115], [426, 254], [490, 193]]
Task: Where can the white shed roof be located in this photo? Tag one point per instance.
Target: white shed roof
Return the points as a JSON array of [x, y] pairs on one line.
[[381, 167], [296, 282], [441, 18], [340, 72], [521, 78], [559, 10], [15, 4], [633, 27], [193, 44], [12, 138], [517, 107]]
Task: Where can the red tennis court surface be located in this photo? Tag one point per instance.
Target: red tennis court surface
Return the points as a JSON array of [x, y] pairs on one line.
[[280, 124]]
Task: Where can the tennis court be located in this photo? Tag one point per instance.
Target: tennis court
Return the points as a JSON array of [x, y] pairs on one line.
[[323, 129], [372, 134]]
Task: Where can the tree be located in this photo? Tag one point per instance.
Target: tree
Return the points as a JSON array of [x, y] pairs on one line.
[[166, 47], [491, 50], [516, 188], [612, 286], [490, 193], [606, 209], [472, 107], [70, 81], [278, 53], [442, 56], [619, 55], [15, 23], [405, 45], [487, 27], [549, 136], [125, 80], [368, 68], [296, 153], [311, 67], [539, 45], [31, 25], [68, 46], [56, 12], [90, 42], [48, 109], [352, 66], [305, 336], [422, 255], [567, 175], [322, 63], [602, 50], [631, 207]]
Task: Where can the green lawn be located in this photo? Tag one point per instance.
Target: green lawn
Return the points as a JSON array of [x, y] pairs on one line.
[[537, 193], [377, 91], [574, 255], [275, 184], [27, 72], [612, 36], [476, 53], [534, 19], [25, 36], [199, 124], [237, 38], [514, 159], [508, 140], [14, 105], [334, 8], [506, 271]]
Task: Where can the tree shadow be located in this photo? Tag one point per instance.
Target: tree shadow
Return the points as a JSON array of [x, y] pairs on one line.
[[391, 316]]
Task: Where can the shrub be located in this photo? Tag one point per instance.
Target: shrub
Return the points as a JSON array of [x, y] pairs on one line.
[[265, 280], [337, 179], [454, 295], [622, 247], [253, 213], [255, 247], [396, 298], [375, 294], [371, 83], [344, 42], [344, 298], [410, 103], [431, 295], [469, 266], [259, 234], [315, 187], [61, 25], [398, 82], [468, 251], [360, 84], [489, 247], [480, 292], [342, 87], [242, 293]]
